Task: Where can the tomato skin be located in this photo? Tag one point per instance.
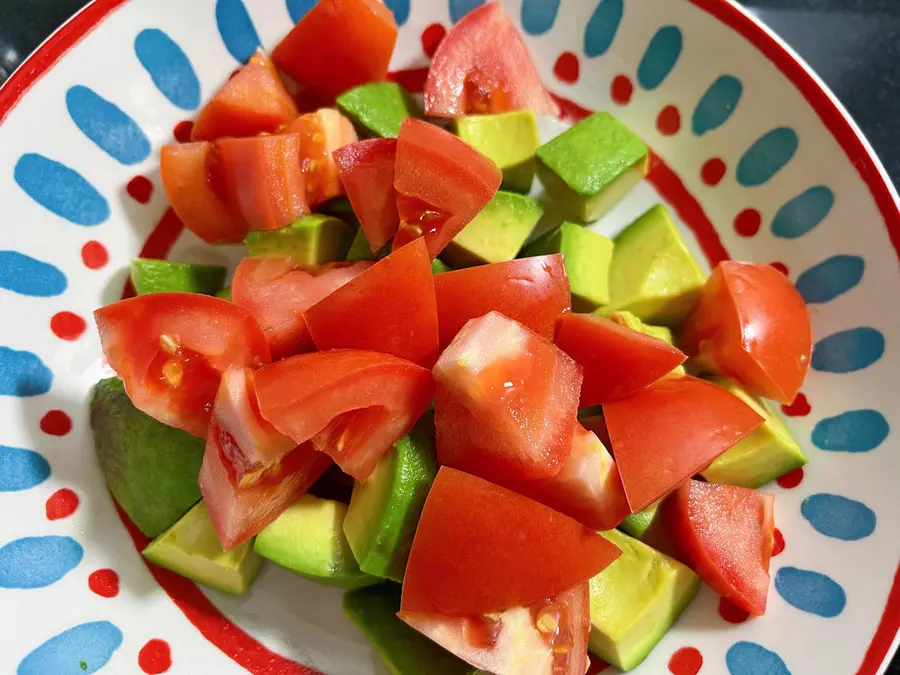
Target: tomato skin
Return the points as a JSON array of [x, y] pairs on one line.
[[483, 66], [482, 548], [750, 323], [366, 170], [617, 361], [375, 312], [277, 292], [188, 172], [664, 434], [188, 339], [338, 45], [321, 133], [726, 535], [533, 291]]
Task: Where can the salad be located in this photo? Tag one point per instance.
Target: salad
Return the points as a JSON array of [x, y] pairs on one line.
[[513, 442]]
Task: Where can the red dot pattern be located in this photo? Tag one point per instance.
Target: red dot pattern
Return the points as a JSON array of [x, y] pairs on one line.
[[432, 38], [104, 583], [566, 68], [668, 123], [94, 255], [140, 189], [67, 326], [781, 267], [747, 222], [61, 504], [791, 479], [155, 657], [799, 408], [621, 90], [56, 423], [731, 612], [778, 546], [183, 130], [713, 171], [686, 661]]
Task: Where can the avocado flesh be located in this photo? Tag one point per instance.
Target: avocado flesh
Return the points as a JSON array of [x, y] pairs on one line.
[[438, 266], [192, 549], [509, 140], [760, 457], [308, 538], [164, 276], [150, 468], [629, 320], [378, 109], [360, 250], [635, 601], [225, 293], [312, 240], [638, 523]]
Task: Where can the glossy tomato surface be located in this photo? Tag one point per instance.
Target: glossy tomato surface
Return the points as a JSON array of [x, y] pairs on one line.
[[321, 133], [366, 171]]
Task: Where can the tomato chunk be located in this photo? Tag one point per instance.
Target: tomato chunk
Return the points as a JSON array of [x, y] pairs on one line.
[[726, 535], [277, 292], [170, 349], [367, 173], [388, 308], [664, 434], [482, 548], [321, 133], [338, 45], [189, 173], [617, 361], [750, 323], [506, 402], [483, 66], [353, 405]]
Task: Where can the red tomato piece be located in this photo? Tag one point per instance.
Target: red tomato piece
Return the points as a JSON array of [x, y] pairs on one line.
[[442, 184], [321, 133], [506, 402], [750, 323], [482, 548], [617, 361], [549, 637], [189, 173], [388, 308], [170, 349], [367, 174], [532, 291], [353, 405], [726, 535], [338, 45], [277, 292], [664, 434], [483, 66]]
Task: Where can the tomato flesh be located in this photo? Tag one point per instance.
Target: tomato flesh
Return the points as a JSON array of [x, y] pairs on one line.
[[321, 133], [366, 170]]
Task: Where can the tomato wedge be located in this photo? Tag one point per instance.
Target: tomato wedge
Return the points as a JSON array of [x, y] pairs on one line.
[[549, 637], [483, 66], [353, 405], [726, 535], [750, 323], [388, 308], [532, 291], [367, 173], [664, 434], [338, 45], [617, 361], [321, 133], [189, 173], [482, 548], [277, 292], [506, 402], [442, 184], [170, 349]]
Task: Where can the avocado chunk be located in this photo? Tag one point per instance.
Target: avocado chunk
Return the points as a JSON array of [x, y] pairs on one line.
[[360, 249], [587, 257], [378, 109], [653, 275], [309, 539], [312, 240], [591, 166], [384, 511], [225, 293], [192, 549], [638, 523], [497, 233], [764, 455], [508, 139], [163, 276], [629, 320], [150, 468], [636, 600], [438, 266]]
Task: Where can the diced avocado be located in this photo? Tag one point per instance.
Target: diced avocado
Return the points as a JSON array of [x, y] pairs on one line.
[[150, 468], [589, 167], [587, 257], [360, 249], [764, 455], [309, 539], [384, 511], [438, 266], [509, 139], [653, 275], [636, 600], [378, 109], [497, 233], [192, 549], [164, 276], [663, 333], [312, 240], [225, 293], [638, 523]]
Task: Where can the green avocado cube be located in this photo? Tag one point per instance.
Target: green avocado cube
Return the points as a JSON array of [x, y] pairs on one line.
[[629, 320], [360, 250], [637, 524], [497, 233], [313, 240], [590, 166], [164, 276], [225, 293], [379, 108], [438, 266], [587, 256], [509, 139]]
